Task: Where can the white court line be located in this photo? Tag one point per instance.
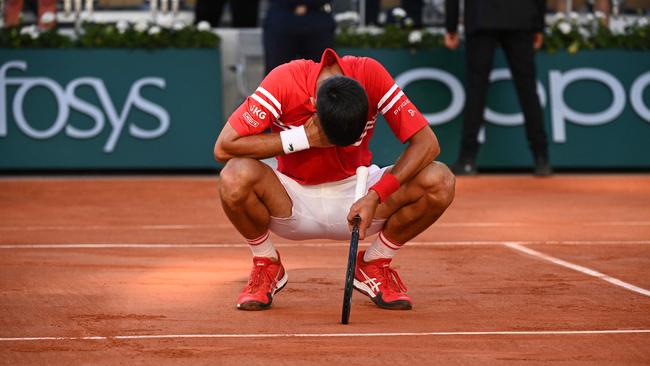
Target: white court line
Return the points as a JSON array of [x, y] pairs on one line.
[[311, 244], [221, 226], [330, 335], [575, 267], [112, 227]]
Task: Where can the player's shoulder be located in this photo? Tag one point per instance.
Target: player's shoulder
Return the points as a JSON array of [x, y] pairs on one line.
[[364, 67], [291, 71]]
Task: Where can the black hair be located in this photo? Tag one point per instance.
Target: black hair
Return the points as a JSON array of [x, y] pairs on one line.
[[342, 108]]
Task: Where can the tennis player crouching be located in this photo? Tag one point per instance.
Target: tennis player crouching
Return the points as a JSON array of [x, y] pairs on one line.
[[322, 117]]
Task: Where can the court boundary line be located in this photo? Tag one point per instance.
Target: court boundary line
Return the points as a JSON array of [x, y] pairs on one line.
[[331, 335], [220, 226], [312, 244], [578, 268]]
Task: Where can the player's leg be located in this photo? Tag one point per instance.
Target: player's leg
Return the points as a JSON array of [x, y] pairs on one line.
[[250, 193], [418, 203], [409, 211]]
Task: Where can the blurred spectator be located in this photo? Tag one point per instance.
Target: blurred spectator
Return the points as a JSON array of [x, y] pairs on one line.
[[515, 25], [13, 9], [297, 29], [244, 12]]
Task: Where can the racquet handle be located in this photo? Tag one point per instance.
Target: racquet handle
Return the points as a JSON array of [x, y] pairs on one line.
[[362, 182]]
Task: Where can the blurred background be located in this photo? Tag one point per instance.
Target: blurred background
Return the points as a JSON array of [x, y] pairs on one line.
[[147, 84]]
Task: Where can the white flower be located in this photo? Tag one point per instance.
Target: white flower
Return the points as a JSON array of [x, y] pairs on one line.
[[408, 22], [165, 20], [573, 15], [141, 26], [564, 27], [122, 25], [48, 17], [154, 30], [599, 14], [590, 17], [178, 25], [31, 31], [415, 37], [382, 18], [85, 16], [203, 26], [556, 17], [584, 33], [372, 30], [643, 21], [348, 16], [28, 30], [399, 13]]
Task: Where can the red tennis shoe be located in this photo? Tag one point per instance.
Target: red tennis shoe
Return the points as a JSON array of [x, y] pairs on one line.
[[267, 277], [381, 283]]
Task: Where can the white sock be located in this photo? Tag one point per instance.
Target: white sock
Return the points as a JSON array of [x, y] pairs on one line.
[[263, 246], [382, 247]]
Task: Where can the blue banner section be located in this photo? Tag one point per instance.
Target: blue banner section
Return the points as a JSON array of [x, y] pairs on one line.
[[596, 106], [109, 109]]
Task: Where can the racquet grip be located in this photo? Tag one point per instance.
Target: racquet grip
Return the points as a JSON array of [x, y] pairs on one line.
[[362, 182]]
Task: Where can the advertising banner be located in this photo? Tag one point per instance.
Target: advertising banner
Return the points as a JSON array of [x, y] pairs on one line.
[[596, 107], [109, 109]]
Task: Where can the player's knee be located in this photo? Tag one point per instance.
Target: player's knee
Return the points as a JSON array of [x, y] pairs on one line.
[[237, 179], [440, 184]]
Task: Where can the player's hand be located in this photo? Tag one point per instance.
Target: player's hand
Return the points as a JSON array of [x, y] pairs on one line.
[[315, 134], [538, 40], [365, 207], [452, 41]]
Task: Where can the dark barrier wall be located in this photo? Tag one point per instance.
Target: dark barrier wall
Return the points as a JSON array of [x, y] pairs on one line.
[[114, 109], [119, 109]]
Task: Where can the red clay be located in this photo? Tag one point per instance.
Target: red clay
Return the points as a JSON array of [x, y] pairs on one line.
[[456, 288]]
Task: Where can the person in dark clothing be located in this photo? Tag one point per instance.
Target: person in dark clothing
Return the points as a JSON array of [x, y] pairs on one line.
[[244, 12], [297, 29], [515, 25]]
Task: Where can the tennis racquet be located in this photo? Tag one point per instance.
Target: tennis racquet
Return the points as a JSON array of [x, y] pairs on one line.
[[360, 191]]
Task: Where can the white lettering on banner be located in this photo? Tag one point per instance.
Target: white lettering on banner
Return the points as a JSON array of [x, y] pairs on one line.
[[68, 99], [457, 91], [561, 112], [636, 96]]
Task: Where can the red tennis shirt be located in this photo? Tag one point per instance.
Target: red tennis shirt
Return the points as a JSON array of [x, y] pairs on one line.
[[283, 101]]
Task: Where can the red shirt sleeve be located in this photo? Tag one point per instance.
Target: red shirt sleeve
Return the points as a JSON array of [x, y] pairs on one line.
[[263, 107], [402, 116]]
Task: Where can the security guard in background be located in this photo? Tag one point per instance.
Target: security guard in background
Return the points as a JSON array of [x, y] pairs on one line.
[[517, 26], [297, 29]]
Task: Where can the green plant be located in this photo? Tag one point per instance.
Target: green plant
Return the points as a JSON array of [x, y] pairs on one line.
[[120, 35]]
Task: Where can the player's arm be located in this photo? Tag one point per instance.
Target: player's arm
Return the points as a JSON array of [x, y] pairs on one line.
[[422, 149], [244, 134], [409, 126], [231, 144]]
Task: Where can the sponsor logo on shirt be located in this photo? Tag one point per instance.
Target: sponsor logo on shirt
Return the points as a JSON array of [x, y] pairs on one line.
[[257, 111], [250, 120], [399, 108]]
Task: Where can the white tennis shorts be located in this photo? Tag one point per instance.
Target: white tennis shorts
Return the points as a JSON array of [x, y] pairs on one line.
[[321, 211]]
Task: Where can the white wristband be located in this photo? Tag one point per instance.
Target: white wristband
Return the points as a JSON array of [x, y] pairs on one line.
[[294, 140]]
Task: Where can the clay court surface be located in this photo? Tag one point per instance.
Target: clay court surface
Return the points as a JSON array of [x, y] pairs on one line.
[[146, 270]]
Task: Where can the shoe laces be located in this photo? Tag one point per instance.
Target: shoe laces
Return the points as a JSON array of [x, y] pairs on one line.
[[258, 277], [394, 282]]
